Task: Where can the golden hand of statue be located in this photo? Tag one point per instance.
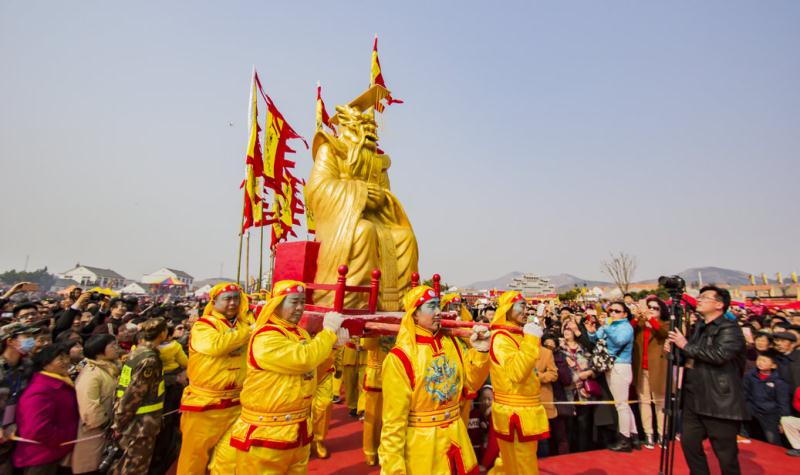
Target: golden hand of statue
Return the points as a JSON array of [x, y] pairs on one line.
[[375, 196]]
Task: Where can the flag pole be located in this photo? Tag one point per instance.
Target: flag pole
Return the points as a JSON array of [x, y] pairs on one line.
[[247, 263], [239, 257], [271, 268], [260, 258]]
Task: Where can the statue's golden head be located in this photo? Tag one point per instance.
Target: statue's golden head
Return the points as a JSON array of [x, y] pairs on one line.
[[357, 128]]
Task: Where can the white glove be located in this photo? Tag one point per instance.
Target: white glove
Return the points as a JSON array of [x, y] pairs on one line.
[[332, 321], [533, 328], [342, 337], [480, 338]]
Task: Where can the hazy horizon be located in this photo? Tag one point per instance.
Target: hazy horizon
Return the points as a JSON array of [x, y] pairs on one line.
[[537, 137]]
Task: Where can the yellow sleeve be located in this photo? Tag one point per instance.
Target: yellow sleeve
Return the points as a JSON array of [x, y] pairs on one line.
[[476, 369], [180, 356], [273, 351], [518, 363], [396, 405], [206, 339]]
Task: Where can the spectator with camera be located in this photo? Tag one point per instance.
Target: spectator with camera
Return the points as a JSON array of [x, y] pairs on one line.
[[713, 396], [650, 365], [95, 387], [581, 387], [618, 336]]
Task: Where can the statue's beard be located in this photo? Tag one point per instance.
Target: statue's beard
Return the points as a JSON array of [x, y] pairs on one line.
[[355, 151]]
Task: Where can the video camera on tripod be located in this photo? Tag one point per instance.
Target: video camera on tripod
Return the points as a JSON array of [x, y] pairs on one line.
[[675, 286]]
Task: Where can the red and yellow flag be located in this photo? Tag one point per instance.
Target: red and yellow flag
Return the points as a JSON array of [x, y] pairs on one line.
[[278, 132], [253, 183], [376, 76]]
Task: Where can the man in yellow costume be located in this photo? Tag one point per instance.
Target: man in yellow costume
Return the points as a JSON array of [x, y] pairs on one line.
[[216, 370], [272, 434], [376, 347], [452, 302], [354, 361], [518, 417], [321, 406], [359, 221], [423, 378]]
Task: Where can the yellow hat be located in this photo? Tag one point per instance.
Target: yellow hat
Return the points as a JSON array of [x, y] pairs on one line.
[[504, 304], [407, 335], [222, 288], [465, 315], [279, 292]]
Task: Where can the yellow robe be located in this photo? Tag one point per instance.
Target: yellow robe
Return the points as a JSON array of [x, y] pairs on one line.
[[210, 403], [372, 388], [518, 417], [423, 432], [272, 433], [354, 362], [323, 399]]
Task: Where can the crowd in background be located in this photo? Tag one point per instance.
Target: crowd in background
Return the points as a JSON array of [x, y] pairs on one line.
[[572, 369], [61, 357]]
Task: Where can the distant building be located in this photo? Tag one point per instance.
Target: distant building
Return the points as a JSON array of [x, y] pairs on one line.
[[171, 276], [530, 285], [93, 276]]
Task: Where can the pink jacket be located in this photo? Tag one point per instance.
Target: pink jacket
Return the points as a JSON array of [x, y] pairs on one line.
[[47, 412]]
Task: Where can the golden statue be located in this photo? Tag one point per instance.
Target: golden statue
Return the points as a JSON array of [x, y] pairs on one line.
[[360, 223]]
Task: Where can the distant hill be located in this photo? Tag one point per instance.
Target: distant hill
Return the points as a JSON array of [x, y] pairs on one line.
[[564, 282], [498, 283], [717, 275]]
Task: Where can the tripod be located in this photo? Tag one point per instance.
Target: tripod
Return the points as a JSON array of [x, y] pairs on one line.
[[672, 393]]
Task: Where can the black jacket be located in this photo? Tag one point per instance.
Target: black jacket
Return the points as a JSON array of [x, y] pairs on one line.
[[715, 359], [766, 397], [789, 369]]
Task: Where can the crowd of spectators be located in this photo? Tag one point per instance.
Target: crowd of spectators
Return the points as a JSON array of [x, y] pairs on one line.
[[621, 407], [60, 358]]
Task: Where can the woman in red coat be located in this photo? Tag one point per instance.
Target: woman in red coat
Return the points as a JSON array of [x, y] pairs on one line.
[[47, 412]]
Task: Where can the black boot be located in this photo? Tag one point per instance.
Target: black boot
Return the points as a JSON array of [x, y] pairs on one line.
[[635, 442], [623, 444]]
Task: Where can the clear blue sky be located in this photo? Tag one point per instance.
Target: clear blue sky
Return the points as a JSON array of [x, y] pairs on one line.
[[535, 136]]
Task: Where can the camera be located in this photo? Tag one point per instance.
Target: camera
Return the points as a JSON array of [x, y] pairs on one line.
[[111, 453], [96, 297], [674, 284]]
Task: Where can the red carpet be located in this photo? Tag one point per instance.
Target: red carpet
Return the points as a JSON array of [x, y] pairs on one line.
[[755, 458], [344, 444]]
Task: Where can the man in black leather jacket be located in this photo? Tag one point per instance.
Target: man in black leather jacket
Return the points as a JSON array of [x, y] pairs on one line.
[[713, 399]]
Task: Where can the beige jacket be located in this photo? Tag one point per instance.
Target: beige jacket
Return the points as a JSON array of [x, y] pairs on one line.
[[95, 387]]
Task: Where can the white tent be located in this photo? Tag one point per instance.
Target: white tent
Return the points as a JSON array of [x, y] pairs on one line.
[[133, 289], [203, 291]]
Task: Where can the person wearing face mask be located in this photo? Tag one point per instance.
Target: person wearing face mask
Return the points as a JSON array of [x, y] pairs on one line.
[[424, 377], [216, 372], [47, 413], [518, 416], [273, 431], [95, 388], [16, 370]]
